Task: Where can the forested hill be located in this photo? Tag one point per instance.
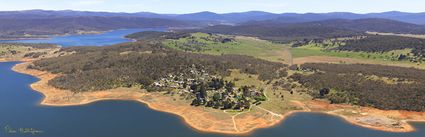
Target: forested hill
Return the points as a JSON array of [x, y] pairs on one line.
[[373, 24], [286, 32], [17, 27], [363, 25], [383, 87], [283, 32]]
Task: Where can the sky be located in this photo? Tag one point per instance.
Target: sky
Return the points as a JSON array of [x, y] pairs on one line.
[[218, 6]]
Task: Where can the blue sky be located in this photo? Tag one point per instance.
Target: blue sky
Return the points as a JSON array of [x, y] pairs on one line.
[[219, 6]]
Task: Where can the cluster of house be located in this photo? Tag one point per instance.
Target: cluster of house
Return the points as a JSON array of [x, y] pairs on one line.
[[211, 91]]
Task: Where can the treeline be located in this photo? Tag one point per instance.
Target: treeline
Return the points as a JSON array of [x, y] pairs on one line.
[[147, 35], [141, 63], [395, 88]]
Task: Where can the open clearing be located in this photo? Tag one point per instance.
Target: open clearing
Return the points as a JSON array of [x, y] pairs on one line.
[[314, 54], [241, 46]]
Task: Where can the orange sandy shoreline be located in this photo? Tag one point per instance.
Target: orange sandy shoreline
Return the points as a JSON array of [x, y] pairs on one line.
[[49, 99], [196, 117]]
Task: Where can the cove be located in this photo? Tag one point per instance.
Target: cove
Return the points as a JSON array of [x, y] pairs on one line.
[[107, 38], [19, 108]]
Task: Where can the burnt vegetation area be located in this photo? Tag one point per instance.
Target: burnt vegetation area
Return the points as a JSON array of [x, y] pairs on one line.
[[383, 87], [141, 63]]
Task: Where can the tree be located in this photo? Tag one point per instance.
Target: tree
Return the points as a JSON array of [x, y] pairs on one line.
[[245, 91], [217, 96], [402, 56], [227, 104], [195, 102], [324, 91], [203, 91], [229, 86]]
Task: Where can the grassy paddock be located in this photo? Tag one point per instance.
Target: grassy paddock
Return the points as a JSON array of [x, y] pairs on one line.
[[386, 58], [311, 50], [241, 45]]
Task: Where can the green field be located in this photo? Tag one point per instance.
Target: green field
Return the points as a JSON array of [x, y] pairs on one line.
[[386, 58], [241, 46], [310, 50]]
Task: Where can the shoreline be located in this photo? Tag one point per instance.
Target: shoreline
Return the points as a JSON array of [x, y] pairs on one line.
[[210, 123], [116, 94], [15, 39], [47, 37], [402, 117]]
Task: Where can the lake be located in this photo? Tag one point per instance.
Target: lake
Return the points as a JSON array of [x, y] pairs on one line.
[[108, 38], [19, 108]]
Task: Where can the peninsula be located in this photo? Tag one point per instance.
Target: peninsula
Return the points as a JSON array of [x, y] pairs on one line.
[[220, 83]]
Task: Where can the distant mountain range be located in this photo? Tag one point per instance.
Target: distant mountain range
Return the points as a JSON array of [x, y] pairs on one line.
[[231, 18], [276, 27]]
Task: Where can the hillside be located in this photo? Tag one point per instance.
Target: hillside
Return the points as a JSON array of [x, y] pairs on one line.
[[383, 44], [283, 32], [19, 27], [377, 86], [287, 32], [373, 25]]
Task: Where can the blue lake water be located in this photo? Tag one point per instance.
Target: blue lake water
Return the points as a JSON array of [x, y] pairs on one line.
[[108, 38], [19, 108]]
